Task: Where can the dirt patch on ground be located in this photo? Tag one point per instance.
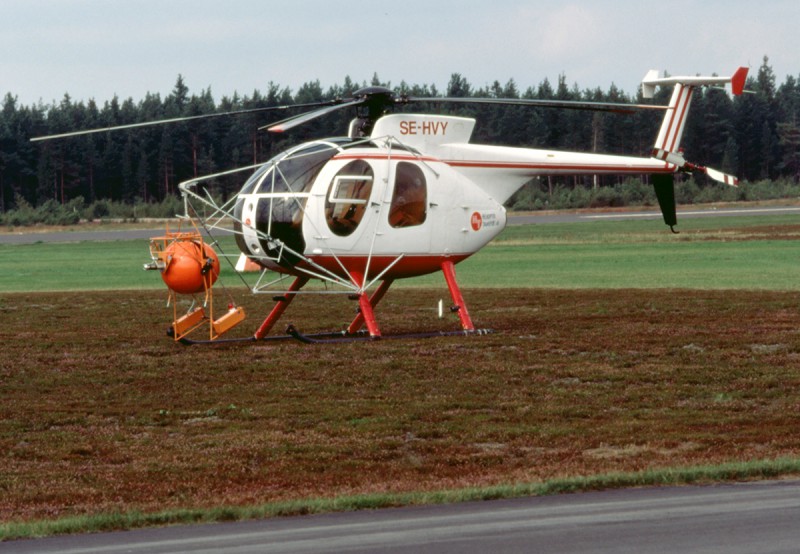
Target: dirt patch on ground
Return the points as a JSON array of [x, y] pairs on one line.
[[100, 411], [762, 232]]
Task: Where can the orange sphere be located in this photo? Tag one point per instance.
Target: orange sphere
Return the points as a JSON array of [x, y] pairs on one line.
[[190, 268]]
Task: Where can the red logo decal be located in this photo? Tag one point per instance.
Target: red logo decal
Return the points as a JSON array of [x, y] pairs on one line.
[[477, 221]]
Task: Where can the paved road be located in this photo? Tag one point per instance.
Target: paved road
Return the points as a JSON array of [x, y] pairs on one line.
[[756, 517], [78, 234], [569, 217]]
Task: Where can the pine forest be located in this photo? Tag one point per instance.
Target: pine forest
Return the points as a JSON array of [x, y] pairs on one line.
[[755, 136]]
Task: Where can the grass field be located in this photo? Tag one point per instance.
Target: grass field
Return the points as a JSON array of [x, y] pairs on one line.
[[734, 252], [689, 358]]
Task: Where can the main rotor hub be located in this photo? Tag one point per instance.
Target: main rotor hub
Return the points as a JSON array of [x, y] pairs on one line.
[[376, 101]]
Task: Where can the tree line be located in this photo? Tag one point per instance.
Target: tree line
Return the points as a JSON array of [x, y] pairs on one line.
[[754, 136]]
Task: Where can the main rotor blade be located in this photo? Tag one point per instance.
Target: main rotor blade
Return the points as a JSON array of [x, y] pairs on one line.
[[177, 120], [569, 104], [294, 121]]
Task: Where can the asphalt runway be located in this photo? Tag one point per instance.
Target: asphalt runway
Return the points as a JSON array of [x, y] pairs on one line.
[[571, 217], [733, 518], [78, 235]]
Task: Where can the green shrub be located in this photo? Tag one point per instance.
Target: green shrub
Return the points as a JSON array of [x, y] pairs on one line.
[[534, 196]]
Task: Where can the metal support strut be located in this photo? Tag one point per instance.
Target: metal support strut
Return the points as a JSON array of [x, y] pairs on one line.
[[376, 297], [280, 307], [459, 306], [365, 305]]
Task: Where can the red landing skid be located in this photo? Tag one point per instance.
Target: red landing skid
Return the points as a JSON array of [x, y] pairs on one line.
[[365, 317]]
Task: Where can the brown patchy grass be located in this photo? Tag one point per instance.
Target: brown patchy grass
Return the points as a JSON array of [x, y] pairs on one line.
[[756, 232], [101, 412]]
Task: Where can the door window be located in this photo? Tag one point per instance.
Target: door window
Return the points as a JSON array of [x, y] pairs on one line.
[[410, 197], [347, 197]]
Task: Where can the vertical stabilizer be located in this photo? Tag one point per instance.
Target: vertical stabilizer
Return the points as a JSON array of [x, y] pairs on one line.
[[648, 87], [671, 131], [667, 145]]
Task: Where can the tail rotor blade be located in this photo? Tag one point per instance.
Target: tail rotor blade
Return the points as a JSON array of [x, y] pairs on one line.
[[722, 177]]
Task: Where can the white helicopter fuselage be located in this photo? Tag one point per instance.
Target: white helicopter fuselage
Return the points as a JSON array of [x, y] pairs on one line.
[[456, 220], [350, 216]]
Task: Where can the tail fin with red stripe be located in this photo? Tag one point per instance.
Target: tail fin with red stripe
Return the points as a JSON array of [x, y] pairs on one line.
[[667, 145]]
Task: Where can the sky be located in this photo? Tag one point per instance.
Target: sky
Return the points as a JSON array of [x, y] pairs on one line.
[[95, 49]]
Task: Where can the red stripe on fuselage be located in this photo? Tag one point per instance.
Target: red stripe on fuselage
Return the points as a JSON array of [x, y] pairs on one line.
[[557, 166], [407, 266], [392, 156], [486, 164]]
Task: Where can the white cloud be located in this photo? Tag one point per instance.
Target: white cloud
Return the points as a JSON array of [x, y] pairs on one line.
[[95, 48], [569, 32]]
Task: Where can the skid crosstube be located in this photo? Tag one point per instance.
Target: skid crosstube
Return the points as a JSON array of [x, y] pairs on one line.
[[334, 337]]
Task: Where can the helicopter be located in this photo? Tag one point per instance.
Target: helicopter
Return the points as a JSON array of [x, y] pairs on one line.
[[401, 195]]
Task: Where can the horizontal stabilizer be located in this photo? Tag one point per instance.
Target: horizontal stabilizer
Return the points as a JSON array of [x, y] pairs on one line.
[[651, 80]]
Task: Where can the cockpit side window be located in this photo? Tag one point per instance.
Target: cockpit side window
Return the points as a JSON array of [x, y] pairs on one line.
[[410, 197], [347, 197]]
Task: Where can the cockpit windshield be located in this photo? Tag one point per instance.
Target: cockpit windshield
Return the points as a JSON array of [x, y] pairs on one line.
[[292, 171], [274, 197]]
